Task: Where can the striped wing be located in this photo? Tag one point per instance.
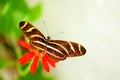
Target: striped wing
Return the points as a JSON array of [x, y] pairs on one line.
[[30, 31], [70, 49], [51, 49]]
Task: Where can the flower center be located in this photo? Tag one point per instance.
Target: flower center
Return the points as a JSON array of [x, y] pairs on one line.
[[36, 51]]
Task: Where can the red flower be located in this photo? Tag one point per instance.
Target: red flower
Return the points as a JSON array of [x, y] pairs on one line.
[[35, 55]]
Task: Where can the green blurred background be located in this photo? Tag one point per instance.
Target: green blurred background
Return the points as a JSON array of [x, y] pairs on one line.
[[11, 13]]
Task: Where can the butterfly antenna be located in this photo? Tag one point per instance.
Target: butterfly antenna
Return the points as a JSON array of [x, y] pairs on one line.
[[57, 33], [45, 27]]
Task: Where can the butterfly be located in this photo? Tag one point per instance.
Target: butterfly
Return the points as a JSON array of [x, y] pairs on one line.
[[55, 49]]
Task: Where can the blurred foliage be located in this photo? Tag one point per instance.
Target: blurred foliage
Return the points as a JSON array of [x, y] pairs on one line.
[[11, 13], [39, 75], [3, 63]]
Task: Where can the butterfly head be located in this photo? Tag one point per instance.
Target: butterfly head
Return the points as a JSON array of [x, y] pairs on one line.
[[48, 39]]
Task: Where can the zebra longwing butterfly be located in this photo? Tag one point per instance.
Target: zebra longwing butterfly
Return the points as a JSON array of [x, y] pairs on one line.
[[56, 49]]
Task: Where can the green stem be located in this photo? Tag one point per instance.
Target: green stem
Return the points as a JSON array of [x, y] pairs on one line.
[[23, 72]]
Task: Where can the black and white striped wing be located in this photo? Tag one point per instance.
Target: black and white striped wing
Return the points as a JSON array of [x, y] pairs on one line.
[[69, 49], [30, 31], [52, 50]]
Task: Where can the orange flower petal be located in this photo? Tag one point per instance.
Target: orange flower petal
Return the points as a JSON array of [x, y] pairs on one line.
[[26, 57], [50, 61], [25, 44], [45, 64], [34, 64]]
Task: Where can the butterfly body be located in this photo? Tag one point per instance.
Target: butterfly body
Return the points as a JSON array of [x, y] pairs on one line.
[[56, 49]]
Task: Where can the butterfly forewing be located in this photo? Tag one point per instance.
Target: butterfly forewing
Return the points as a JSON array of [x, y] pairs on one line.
[[30, 31], [56, 49]]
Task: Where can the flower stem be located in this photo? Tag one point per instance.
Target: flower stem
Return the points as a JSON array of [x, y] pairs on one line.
[[25, 71]]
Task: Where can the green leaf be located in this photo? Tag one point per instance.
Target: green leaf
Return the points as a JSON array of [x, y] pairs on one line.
[[19, 5], [35, 12], [6, 24], [2, 3]]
